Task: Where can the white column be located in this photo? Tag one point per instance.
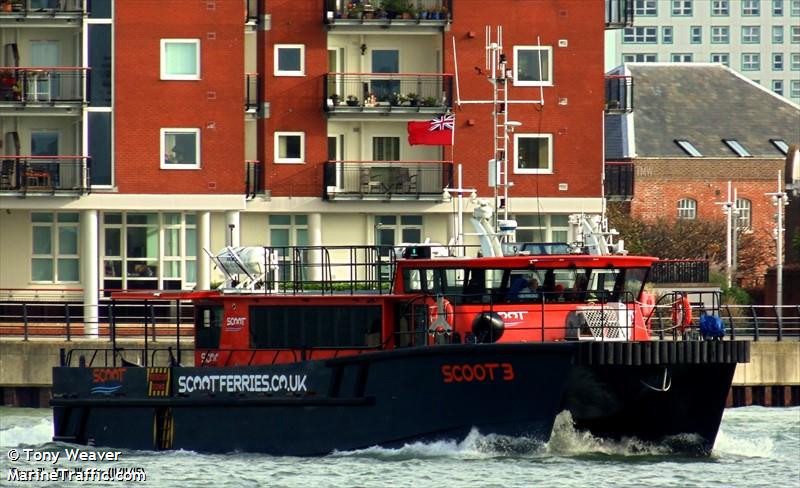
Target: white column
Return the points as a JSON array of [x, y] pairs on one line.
[[91, 277], [315, 240], [232, 234], [203, 243]]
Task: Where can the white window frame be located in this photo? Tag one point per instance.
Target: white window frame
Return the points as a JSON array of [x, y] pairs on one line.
[[751, 8], [681, 57], [777, 87], [550, 165], [640, 35], [696, 34], [167, 76], [794, 8], [794, 61], [751, 34], [744, 219], [55, 255], [646, 8], [687, 209], [777, 8], [639, 58], [546, 82], [667, 34], [751, 62], [720, 8], [720, 34], [777, 34], [794, 88], [276, 143], [682, 8], [164, 148], [794, 34], [276, 55], [722, 58], [777, 62]]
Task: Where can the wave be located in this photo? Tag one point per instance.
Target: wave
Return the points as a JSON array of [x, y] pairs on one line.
[[40, 432], [570, 442]]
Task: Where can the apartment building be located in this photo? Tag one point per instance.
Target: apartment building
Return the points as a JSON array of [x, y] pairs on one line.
[[139, 133], [758, 38]]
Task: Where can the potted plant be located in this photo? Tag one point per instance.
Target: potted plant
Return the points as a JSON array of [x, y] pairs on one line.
[[429, 102], [352, 101], [413, 99], [335, 99]]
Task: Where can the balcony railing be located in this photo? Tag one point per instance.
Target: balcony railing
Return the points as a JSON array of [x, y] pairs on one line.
[[619, 14], [619, 94], [253, 179], [252, 94], [43, 85], [679, 271], [619, 181], [49, 8], [388, 13], [386, 180], [388, 92], [45, 174]]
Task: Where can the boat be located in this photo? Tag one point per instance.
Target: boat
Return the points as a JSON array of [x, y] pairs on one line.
[[407, 346]]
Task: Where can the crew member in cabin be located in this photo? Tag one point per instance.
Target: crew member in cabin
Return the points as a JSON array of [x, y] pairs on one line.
[[530, 292]]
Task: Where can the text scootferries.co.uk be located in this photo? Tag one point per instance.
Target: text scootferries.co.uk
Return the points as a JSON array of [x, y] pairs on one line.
[[255, 383]]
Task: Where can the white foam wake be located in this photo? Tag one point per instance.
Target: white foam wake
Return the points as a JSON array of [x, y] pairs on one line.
[[39, 432]]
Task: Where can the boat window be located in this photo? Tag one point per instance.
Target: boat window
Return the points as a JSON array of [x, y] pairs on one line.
[[634, 281], [208, 325], [297, 327], [413, 279]]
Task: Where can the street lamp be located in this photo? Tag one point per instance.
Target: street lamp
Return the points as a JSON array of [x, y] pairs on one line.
[[779, 199]]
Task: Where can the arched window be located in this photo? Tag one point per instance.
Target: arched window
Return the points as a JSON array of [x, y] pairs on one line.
[[687, 208], [744, 207]]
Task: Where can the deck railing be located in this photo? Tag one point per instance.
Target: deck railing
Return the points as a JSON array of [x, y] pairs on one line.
[[254, 178], [422, 180], [252, 92], [41, 7], [619, 14], [679, 271], [43, 85], [387, 13], [45, 174], [619, 180], [388, 92]]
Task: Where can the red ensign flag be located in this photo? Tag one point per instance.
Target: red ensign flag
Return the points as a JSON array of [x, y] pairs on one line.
[[436, 132]]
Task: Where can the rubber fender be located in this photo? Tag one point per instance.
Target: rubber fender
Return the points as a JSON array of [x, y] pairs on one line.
[[488, 327]]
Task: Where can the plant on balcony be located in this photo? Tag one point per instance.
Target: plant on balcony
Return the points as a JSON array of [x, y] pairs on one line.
[[429, 102], [413, 99], [352, 101], [353, 11], [334, 99], [395, 99]]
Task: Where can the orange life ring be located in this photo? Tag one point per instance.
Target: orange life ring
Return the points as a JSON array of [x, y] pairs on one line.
[[682, 312], [433, 312], [647, 306]]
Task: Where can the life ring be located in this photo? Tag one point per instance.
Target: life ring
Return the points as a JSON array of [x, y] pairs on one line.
[[647, 305], [682, 312], [433, 311]]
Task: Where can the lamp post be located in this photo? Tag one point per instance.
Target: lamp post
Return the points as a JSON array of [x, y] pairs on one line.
[[728, 209], [779, 199]]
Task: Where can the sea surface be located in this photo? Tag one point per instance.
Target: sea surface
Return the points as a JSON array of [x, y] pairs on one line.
[[756, 447]]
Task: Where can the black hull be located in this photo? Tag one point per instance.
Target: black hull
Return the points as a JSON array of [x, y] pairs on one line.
[[674, 396], [385, 398]]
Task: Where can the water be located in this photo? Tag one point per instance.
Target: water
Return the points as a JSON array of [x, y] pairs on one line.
[[756, 447]]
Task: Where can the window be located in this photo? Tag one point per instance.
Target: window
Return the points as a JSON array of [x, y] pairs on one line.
[[285, 231], [687, 209], [149, 250], [681, 57], [751, 34], [751, 8], [751, 61], [781, 145], [386, 149], [639, 58], [290, 60], [391, 230], [795, 62], [795, 8], [722, 58], [55, 247], [721, 8], [777, 34], [744, 210], [534, 65], [688, 147], [640, 35], [777, 61], [542, 228], [180, 59], [794, 89], [777, 8], [667, 35], [777, 86], [696, 34], [737, 148], [290, 147], [180, 148], [796, 34], [681, 8], [645, 8], [533, 153], [322, 326], [720, 34]]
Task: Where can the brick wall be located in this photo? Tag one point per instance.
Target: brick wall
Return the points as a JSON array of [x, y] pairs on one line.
[[144, 103]]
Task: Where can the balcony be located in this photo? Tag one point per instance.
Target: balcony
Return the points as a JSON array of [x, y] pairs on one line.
[[679, 271], [386, 180], [253, 179], [395, 15], [619, 181], [16, 10], [349, 94], [43, 86], [619, 94], [619, 14], [44, 174], [251, 13], [252, 93]]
